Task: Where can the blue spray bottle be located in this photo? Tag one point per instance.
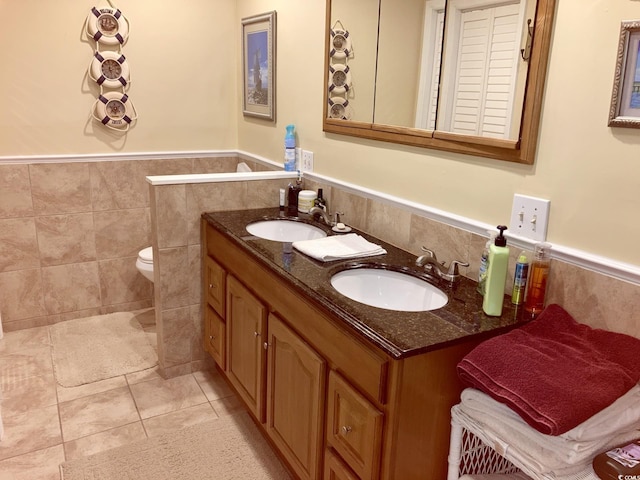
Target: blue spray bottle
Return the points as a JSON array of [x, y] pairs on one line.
[[290, 150]]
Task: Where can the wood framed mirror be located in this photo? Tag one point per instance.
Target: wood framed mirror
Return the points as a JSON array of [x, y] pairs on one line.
[[464, 76]]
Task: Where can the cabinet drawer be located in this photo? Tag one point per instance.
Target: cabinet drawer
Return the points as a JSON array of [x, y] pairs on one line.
[[354, 428], [214, 336], [214, 285], [335, 469]]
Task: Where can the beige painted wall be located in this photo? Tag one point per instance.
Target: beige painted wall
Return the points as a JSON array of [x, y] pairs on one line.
[[183, 86], [590, 172]]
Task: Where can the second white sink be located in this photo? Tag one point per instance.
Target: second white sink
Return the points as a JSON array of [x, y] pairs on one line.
[[282, 230], [389, 289]]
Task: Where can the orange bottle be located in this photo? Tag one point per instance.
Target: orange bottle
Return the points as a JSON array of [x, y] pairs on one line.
[[538, 275]]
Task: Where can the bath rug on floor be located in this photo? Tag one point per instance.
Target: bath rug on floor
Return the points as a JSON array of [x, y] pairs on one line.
[[227, 448], [89, 349]]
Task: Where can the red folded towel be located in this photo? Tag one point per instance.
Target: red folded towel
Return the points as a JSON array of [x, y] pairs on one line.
[[554, 372]]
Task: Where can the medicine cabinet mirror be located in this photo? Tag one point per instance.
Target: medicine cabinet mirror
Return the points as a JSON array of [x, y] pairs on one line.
[[464, 76]]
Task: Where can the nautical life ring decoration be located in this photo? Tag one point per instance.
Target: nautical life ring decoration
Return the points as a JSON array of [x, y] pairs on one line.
[[339, 108], [107, 25], [339, 79], [340, 43], [114, 110], [109, 69]]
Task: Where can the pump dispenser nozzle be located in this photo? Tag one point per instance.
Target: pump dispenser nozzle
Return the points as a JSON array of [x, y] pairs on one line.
[[500, 240]]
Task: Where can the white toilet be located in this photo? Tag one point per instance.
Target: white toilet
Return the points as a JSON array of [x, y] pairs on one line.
[[144, 263]]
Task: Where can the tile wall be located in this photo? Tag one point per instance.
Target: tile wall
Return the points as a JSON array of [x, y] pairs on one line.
[[70, 235], [175, 219]]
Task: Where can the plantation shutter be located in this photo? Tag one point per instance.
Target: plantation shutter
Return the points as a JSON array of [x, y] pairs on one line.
[[487, 62], [437, 58]]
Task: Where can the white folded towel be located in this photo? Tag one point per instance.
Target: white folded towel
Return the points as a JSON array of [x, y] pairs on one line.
[[615, 424], [338, 247]]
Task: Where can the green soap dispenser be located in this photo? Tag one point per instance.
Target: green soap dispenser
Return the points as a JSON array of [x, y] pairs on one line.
[[496, 275]]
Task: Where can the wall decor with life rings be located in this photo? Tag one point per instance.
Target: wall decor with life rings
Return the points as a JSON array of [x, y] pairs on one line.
[[109, 68], [340, 85]]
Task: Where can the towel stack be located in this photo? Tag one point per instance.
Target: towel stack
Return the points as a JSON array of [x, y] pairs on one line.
[[553, 393], [338, 247]]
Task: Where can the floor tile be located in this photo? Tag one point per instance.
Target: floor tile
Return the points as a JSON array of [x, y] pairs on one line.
[[228, 406], [66, 394], [160, 396], [24, 339], [106, 440], [39, 465], [33, 430], [170, 422], [212, 384], [31, 362], [152, 373], [29, 393], [97, 413]]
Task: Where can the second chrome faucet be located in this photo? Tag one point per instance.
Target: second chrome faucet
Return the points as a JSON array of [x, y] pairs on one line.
[[431, 265]]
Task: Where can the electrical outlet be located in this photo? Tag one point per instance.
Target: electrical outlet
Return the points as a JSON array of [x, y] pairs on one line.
[[298, 158], [307, 161], [529, 217]]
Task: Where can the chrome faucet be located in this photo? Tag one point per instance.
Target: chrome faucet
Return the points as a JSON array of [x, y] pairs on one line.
[[431, 265], [324, 215]]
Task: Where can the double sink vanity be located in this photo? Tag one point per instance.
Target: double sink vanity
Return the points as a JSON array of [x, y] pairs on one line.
[[342, 389]]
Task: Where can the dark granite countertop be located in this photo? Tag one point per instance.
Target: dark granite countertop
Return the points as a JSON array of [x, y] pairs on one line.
[[399, 334]]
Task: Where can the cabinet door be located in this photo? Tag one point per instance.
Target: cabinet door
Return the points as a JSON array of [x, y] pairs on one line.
[[335, 469], [246, 332], [295, 399], [214, 283], [354, 428], [214, 336]]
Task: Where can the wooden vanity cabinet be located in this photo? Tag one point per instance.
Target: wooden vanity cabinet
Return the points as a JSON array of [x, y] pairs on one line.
[[296, 378], [246, 334], [335, 406], [215, 338]]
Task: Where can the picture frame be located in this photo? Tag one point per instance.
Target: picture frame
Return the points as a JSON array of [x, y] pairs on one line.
[[259, 66], [625, 98]]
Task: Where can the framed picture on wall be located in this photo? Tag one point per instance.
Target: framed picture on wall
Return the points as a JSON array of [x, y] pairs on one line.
[[625, 99], [259, 66]]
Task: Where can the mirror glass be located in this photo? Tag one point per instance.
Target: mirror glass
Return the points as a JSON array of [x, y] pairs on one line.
[[438, 73]]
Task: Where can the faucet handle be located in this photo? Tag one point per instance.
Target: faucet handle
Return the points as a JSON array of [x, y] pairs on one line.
[[430, 252], [453, 268]]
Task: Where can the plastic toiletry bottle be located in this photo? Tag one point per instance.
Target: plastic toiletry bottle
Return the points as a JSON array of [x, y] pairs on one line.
[[292, 196], [484, 262], [496, 275], [282, 199], [520, 279], [620, 462], [320, 201], [537, 286], [290, 150]]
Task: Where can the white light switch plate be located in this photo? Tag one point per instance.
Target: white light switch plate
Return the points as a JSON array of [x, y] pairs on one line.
[[529, 217]]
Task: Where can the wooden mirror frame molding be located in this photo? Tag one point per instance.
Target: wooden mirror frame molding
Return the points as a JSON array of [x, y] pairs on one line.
[[522, 150]]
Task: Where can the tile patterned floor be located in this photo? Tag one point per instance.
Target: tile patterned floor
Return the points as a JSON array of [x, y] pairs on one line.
[[46, 424]]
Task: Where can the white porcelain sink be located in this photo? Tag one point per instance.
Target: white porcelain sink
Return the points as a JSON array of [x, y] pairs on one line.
[[388, 289], [282, 230]]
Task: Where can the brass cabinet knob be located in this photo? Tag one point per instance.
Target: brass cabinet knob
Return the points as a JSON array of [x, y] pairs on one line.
[[346, 429]]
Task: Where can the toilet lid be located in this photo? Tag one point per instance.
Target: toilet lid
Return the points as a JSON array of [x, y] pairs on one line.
[[146, 254]]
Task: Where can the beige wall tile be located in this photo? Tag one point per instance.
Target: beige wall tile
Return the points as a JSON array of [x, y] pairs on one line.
[[71, 287], [197, 347], [215, 165], [353, 206], [171, 215], [15, 191], [21, 295], [122, 233], [18, 244], [176, 371], [118, 185], [63, 317], [121, 282], [173, 277], [129, 306], [60, 188], [195, 275], [64, 239], [178, 333], [264, 193], [389, 223], [210, 197]]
